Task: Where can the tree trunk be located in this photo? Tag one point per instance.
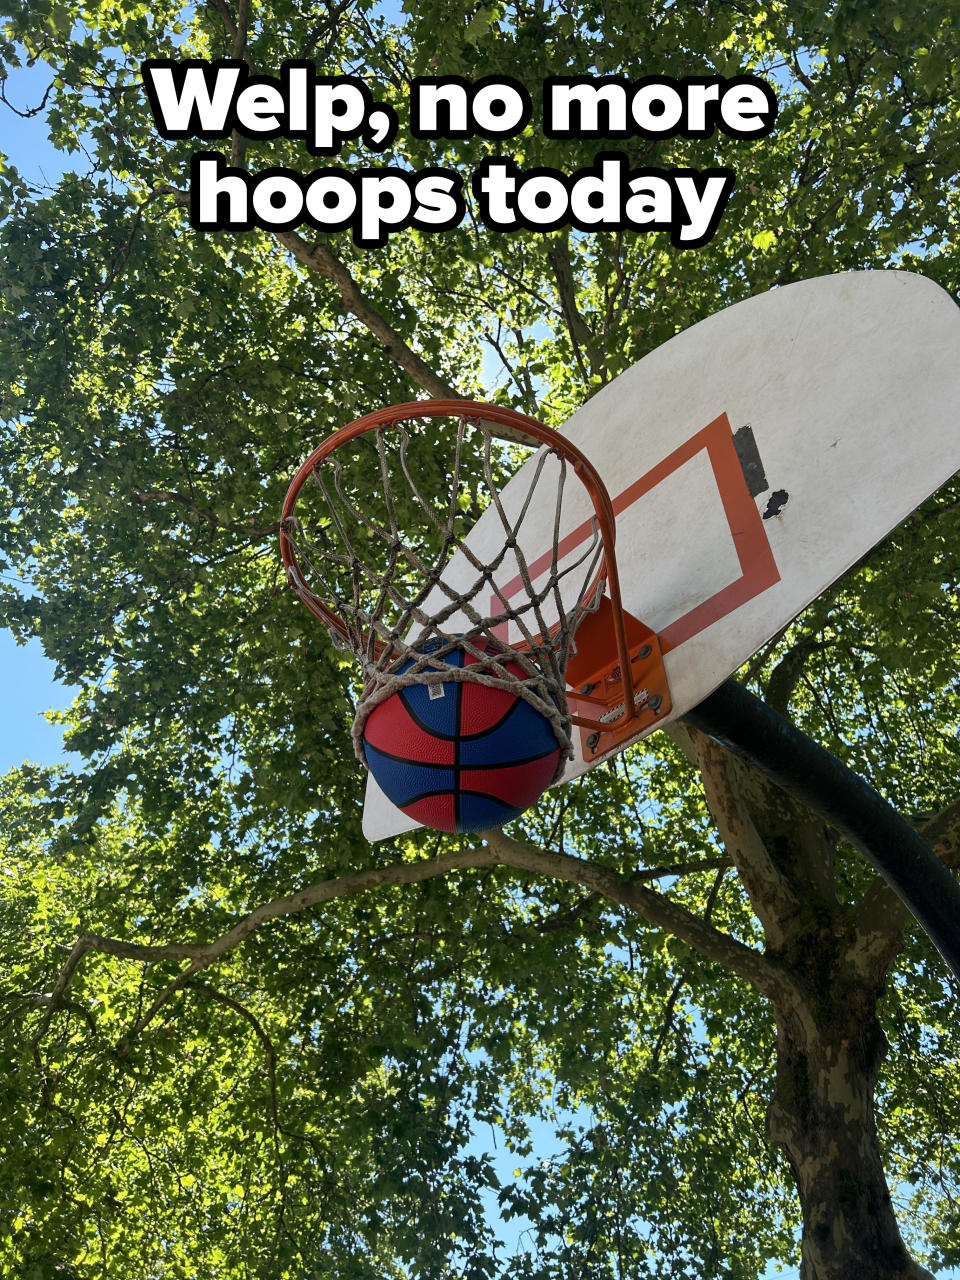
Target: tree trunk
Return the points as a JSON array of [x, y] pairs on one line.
[[828, 1057]]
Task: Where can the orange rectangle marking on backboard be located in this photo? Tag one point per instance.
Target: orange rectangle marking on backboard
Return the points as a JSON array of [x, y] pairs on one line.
[[758, 567]]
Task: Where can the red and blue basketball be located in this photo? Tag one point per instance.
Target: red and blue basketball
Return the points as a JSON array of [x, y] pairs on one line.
[[464, 759]]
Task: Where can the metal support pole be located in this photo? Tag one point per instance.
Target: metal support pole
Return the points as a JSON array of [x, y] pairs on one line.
[[800, 766]]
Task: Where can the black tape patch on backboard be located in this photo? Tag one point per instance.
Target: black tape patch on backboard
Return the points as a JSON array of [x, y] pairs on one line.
[[749, 455]]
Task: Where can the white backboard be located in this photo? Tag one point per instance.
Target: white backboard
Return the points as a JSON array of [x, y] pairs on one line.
[[848, 386]]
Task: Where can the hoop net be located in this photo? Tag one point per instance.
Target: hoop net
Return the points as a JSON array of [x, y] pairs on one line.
[[373, 534]]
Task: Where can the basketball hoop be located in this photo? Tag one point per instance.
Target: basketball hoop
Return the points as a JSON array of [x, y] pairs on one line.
[[374, 539]]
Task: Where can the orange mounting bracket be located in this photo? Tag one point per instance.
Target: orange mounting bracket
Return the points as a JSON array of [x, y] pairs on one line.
[[608, 710]]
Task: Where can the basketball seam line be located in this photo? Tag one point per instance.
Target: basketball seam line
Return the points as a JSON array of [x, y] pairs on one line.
[[454, 737], [480, 795], [456, 759], [429, 764]]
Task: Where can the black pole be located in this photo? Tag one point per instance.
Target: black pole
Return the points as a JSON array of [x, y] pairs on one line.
[[808, 771]]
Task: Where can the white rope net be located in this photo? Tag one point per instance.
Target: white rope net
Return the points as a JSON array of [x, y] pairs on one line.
[[380, 531]]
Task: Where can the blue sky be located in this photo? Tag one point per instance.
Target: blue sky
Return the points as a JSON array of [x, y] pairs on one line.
[[29, 689], [26, 676]]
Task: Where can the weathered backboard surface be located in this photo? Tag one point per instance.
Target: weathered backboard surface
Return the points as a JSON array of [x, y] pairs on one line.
[[751, 460]]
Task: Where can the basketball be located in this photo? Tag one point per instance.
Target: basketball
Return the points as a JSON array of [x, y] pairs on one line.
[[461, 757]]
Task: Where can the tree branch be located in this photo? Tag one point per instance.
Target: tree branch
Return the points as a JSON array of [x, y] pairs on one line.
[[670, 1006], [180, 197], [561, 919], [329, 27], [581, 338], [770, 894], [41, 999], [211, 993], [120, 259], [325, 263], [681, 869], [248, 529], [322, 260], [768, 977], [179, 982], [203, 953], [238, 34], [759, 970], [786, 674]]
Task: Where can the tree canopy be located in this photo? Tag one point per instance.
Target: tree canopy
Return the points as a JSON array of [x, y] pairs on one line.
[[239, 1041]]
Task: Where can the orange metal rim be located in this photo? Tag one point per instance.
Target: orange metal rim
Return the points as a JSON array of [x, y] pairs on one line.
[[393, 415]]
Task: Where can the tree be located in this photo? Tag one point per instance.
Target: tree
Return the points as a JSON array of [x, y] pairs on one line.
[[239, 1041]]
